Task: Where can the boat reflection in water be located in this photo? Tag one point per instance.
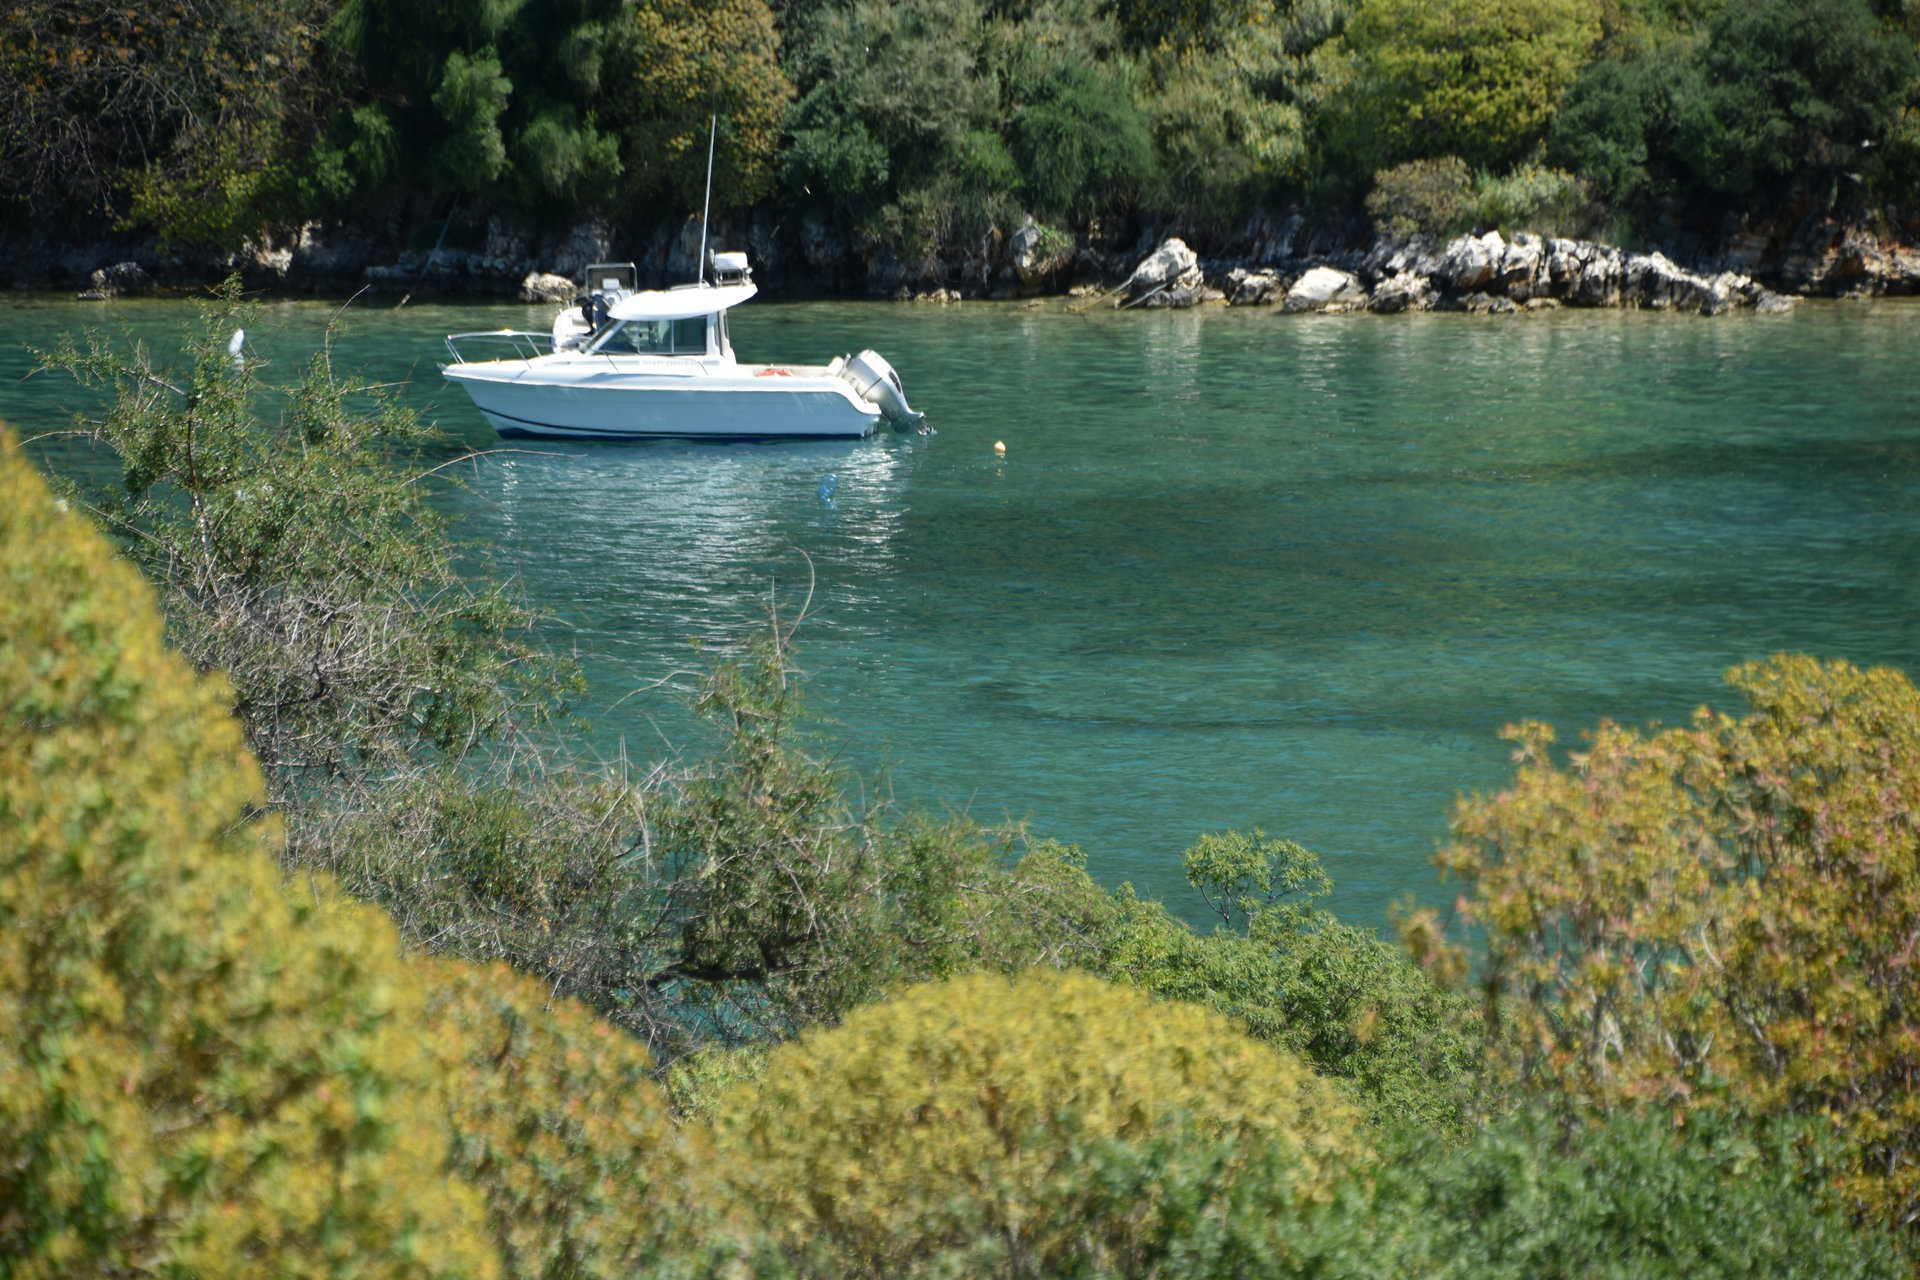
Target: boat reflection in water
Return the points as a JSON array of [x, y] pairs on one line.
[[682, 543]]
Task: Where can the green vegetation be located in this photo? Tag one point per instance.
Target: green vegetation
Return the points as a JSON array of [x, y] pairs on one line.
[[921, 134], [935, 1119], [202, 1069], [1720, 913]]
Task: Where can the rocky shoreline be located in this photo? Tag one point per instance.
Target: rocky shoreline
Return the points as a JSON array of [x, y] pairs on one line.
[[1485, 273], [1277, 263]]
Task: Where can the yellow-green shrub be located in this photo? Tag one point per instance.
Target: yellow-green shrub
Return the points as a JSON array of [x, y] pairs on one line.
[[1726, 911], [973, 1108], [201, 1072], [555, 1116]]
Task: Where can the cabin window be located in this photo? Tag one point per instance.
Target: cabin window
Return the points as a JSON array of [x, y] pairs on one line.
[[658, 338]]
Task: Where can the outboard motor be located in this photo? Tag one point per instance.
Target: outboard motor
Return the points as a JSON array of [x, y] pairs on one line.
[[873, 379]]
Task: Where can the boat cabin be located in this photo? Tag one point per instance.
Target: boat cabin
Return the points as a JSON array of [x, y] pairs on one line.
[[690, 320], [688, 337]]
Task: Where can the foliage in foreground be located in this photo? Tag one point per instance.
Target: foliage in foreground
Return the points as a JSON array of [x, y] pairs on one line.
[[210, 1070], [553, 1114], [201, 1071], [1353, 1007], [1631, 1198], [1723, 910], [977, 1107]]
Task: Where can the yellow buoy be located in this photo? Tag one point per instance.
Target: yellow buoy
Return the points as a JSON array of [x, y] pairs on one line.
[[999, 448]]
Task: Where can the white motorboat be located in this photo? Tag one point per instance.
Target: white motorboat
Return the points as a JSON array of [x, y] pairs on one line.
[[629, 364]]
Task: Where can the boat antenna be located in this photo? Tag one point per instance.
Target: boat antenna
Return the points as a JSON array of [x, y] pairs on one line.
[[713, 124]]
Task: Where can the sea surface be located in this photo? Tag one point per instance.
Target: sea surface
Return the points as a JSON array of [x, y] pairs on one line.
[[1234, 570]]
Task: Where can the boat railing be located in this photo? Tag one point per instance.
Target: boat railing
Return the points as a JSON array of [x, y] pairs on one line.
[[519, 343]]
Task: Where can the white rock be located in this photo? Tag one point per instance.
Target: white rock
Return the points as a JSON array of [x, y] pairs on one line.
[[1171, 266], [1323, 288], [1405, 291], [544, 286], [1470, 262], [1252, 288]]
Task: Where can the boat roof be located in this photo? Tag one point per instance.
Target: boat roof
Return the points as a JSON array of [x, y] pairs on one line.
[[682, 303]]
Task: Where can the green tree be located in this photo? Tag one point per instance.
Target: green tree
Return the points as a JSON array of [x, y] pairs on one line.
[[1228, 133], [1633, 1197], [1348, 1003], [1446, 77], [1622, 122], [180, 115], [1719, 911], [672, 65], [1081, 141], [204, 1071], [1797, 97], [551, 107], [893, 99]]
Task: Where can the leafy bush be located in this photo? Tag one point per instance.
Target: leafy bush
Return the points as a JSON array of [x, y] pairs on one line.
[[1423, 197], [981, 1107], [1725, 909], [1544, 201], [1453, 77], [670, 66], [1780, 104], [555, 1117], [1796, 94], [1632, 1198], [888, 94], [187, 122], [1226, 136], [1352, 1006], [296, 552], [1621, 123], [203, 1071], [1081, 142]]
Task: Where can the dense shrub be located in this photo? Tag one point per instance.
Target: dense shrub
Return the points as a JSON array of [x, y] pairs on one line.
[[1621, 124], [981, 1108], [670, 66], [297, 552], [1227, 136], [1447, 77], [1545, 201], [1081, 142], [555, 1117], [1353, 1007], [202, 1072], [1725, 909], [185, 117], [1423, 197], [1780, 105], [1797, 93], [1632, 1198]]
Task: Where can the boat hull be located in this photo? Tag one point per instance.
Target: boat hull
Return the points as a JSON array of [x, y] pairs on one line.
[[518, 403]]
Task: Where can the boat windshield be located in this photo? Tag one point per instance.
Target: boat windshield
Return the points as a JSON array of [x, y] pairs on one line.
[[657, 338]]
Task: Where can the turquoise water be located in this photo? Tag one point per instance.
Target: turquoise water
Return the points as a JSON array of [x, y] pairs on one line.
[[1234, 570]]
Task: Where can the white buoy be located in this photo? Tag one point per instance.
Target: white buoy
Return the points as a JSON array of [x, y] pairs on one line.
[[999, 448]]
